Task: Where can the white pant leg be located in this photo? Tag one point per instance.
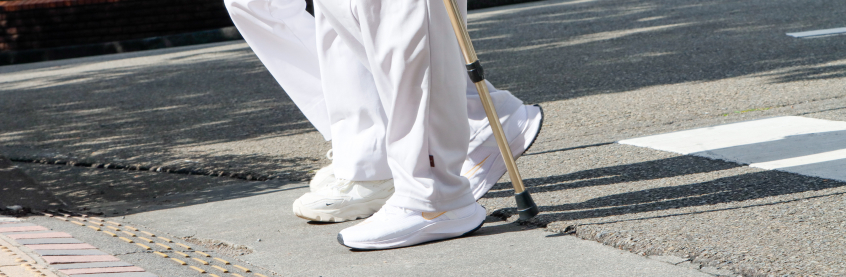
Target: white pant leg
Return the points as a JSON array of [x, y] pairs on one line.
[[412, 53], [282, 35], [358, 120], [284, 38]]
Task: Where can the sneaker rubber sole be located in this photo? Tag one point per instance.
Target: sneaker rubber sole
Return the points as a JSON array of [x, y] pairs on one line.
[[348, 213], [437, 231]]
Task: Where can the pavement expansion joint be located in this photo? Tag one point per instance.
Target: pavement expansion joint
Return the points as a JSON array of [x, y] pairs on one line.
[[162, 169]]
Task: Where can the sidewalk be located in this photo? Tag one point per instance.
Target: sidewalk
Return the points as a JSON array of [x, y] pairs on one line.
[[174, 142], [249, 234]]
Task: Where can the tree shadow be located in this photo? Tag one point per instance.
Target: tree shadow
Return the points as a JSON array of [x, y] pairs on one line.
[[554, 50], [183, 109]]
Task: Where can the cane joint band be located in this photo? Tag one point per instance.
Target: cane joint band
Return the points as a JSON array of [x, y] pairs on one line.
[[475, 71]]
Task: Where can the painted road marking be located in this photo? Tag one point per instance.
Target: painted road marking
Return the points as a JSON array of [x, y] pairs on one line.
[[131, 228], [816, 33], [77, 223], [165, 246], [113, 223], [110, 233], [178, 261], [165, 239], [801, 145], [202, 253], [149, 234], [184, 246], [129, 233], [161, 254], [126, 239], [94, 227], [114, 228], [181, 254]]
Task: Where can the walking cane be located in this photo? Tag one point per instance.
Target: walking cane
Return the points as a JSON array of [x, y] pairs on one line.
[[526, 207]]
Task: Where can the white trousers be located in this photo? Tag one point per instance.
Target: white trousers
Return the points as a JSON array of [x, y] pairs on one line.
[[389, 92]]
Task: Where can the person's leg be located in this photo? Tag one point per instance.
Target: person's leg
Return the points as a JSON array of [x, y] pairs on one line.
[[412, 53], [281, 33], [283, 36]]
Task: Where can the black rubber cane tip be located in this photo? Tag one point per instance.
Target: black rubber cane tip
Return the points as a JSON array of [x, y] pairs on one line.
[[526, 207]]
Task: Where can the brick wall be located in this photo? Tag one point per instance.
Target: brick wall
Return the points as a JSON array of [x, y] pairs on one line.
[[36, 24]]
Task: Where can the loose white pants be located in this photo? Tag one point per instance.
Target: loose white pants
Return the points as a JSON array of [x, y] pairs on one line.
[[346, 106]]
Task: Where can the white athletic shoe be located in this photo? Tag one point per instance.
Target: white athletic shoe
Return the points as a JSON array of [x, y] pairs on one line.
[[484, 165], [324, 176], [344, 200], [393, 227]]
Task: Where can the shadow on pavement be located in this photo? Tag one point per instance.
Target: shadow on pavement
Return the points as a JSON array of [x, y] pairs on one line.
[[553, 50]]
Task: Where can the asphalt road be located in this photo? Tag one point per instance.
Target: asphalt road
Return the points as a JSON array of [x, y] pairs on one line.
[[604, 71]]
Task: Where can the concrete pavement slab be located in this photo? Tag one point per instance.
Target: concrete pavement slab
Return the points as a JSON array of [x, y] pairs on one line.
[[287, 245]]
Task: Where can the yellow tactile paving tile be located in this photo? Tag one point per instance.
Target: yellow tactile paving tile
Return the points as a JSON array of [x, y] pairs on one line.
[[242, 268], [201, 261], [145, 239], [200, 270], [222, 260], [220, 269]]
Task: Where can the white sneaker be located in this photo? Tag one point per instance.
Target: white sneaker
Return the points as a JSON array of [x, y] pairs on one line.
[[393, 227], [344, 200], [484, 165], [324, 176]]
